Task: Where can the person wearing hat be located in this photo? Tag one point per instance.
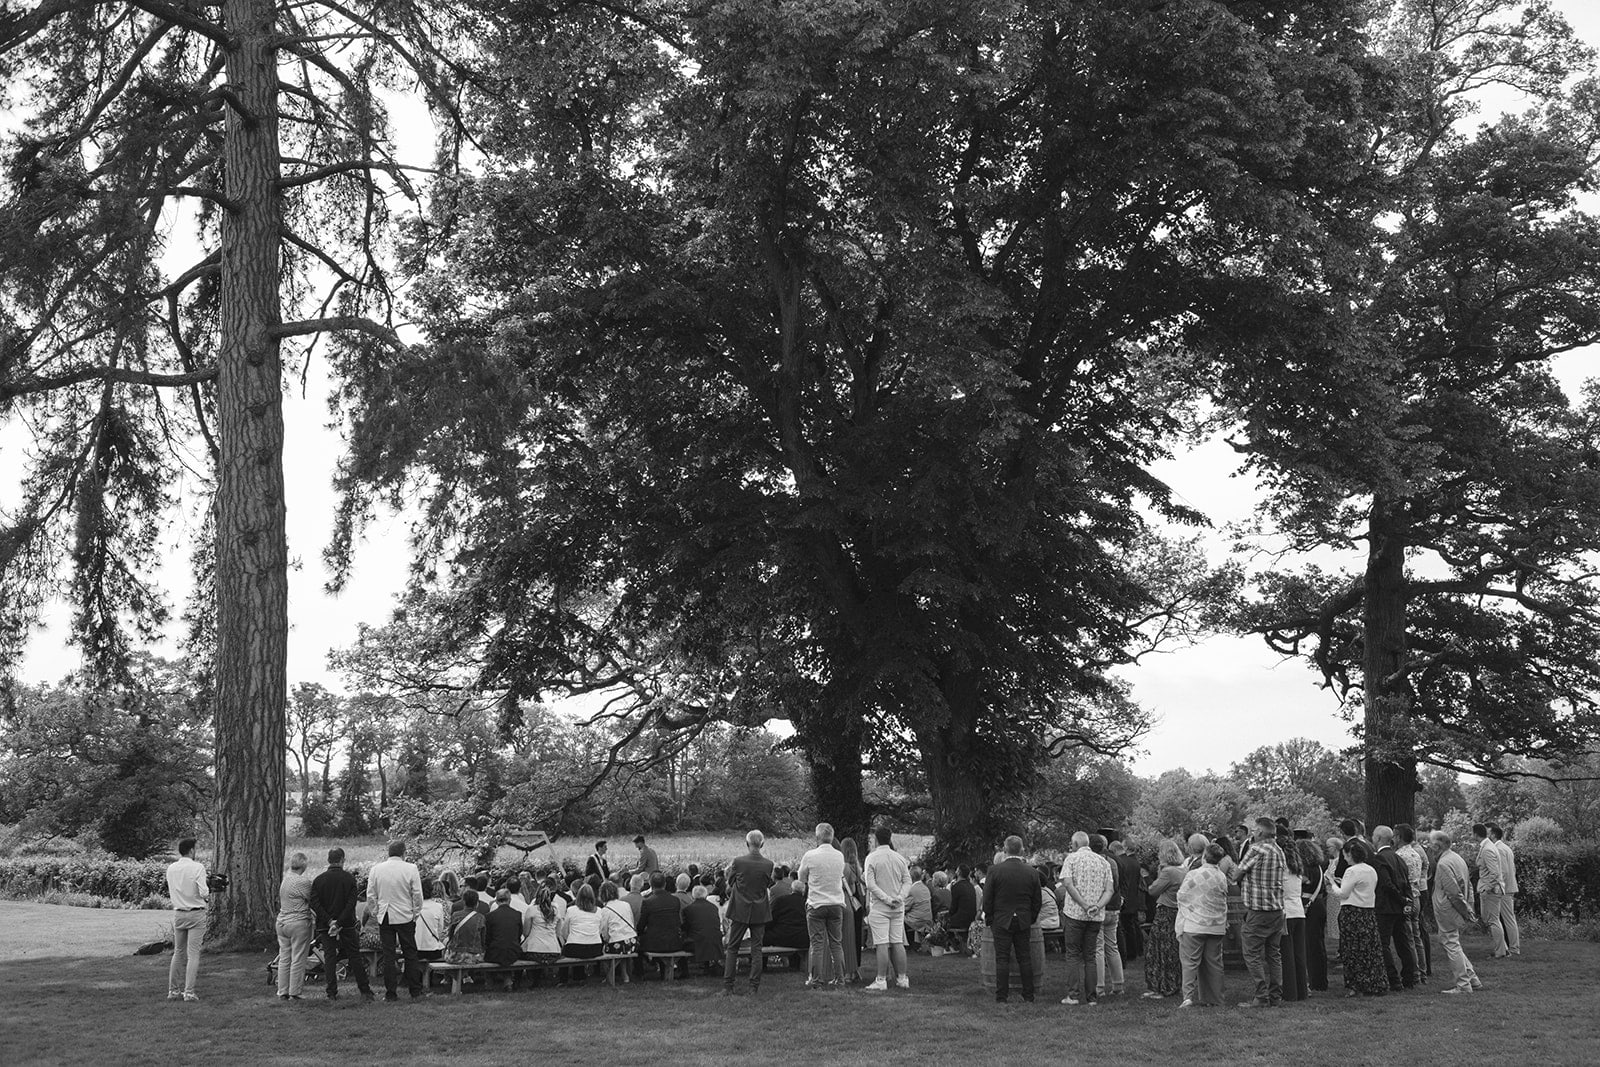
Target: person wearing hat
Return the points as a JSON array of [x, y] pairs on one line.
[[648, 864]]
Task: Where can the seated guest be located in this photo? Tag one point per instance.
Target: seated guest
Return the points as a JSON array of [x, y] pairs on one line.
[[1049, 910], [530, 889], [581, 930], [660, 919], [449, 881], [541, 931], [433, 924], [481, 905], [518, 901], [502, 936], [466, 932], [709, 880], [617, 930], [963, 902], [637, 887], [782, 884], [684, 884], [719, 891], [941, 894], [919, 906], [702, 930], [787, 927], [572, 889]]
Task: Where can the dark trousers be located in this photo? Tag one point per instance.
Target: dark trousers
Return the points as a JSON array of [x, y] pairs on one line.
[[1130, 936], [1395, 937], [406, 935], [1317, 945], [1294, 961], [730, 963], [1008, 941], [347, 947]]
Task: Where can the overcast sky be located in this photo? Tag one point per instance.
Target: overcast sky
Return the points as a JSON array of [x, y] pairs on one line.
[[1214, 702]]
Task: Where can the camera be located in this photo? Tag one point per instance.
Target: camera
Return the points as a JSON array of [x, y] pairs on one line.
[[217, 883]]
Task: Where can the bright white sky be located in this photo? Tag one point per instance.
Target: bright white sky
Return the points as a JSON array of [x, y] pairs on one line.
[[1215, 702]]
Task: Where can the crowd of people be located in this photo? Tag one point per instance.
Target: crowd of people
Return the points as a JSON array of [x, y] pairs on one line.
[[1279, 896]]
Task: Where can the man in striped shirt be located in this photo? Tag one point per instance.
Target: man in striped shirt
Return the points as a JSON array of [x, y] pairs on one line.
[[1260, 878]]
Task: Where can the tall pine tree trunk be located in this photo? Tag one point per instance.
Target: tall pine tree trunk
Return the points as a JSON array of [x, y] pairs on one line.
[[1391, 772], [252, 554]]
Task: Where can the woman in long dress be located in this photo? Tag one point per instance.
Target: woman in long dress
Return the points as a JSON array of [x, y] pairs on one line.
[[1360, 950], [1163, 965]]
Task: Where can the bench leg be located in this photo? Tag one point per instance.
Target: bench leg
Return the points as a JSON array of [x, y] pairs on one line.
[[455, 983]]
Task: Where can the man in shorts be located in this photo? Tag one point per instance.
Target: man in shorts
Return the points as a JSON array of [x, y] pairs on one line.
[[888, 879]]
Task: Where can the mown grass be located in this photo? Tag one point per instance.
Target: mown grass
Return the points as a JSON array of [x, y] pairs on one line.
[[673, 850], [1539, 1008]]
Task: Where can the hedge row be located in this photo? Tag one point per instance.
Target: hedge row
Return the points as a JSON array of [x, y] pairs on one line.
[[126, 880], [1558, 879]]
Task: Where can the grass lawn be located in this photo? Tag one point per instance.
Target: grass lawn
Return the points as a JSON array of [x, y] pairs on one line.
[[1539, 1009]]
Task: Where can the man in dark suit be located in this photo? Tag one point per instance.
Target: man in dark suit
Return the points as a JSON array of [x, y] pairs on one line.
[[660, 919], [333, 905], [1130, 938], [1393, 900], [598, 864], [1012, 898], [502, 934], [787, 927], [702, 930], [963, 906], [749, 881]]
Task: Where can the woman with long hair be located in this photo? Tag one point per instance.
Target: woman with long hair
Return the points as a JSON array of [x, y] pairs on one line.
[[581, 934], [855, 905], [1163, 964], [616, 923], [1360, 949], [541, 931], [1314, 895], [1294, 912]]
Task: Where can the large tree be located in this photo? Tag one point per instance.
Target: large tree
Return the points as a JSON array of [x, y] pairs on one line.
[[175, 175], [1409, 413], [807, 360]]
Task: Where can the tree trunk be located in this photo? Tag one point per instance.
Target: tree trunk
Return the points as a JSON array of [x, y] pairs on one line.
[[1391, 770], [252, 553], [830, 737], [964, 817]]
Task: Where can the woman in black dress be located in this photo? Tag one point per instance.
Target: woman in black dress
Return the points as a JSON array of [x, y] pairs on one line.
[[1314, 892]]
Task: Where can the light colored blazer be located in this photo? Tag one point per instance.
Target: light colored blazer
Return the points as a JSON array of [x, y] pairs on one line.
[[1489, 878], [394, 890], [1508, 867], [1451, 881]]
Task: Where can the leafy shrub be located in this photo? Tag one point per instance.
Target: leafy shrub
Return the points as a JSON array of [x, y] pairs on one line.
[[1538, 830], [130, 881], [318, 818]]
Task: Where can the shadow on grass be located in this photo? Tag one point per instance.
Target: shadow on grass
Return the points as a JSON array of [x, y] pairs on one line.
[[1538, 1009]]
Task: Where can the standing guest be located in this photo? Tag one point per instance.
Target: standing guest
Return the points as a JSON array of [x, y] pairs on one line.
[[661, 919], [598, 865], [1313, 891], [394, 890], [1088, 883], [648, 863], [855, 905], [1508, 878], [1394, 904], [1011, 901], [582, 936], [1296, 970], [1350, 830], [702, 930], [1108, 957], [188, 891], [1130, 938], [541, 931], [887, 878], [433, 923], [617, 931], [1491, 890], [1360, 951], [1452, 882], [963, 903], [749, 909], [1416, 860], [333, 903], [466, 944], [1163, 966], [295, 928], [1260, 876], [1201, 925], [822, 881]]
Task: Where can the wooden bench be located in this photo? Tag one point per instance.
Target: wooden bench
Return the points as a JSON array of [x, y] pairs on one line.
[[457, 972]]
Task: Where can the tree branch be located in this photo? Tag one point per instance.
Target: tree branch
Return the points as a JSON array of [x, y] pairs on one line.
[[127, 375], [338, 322]]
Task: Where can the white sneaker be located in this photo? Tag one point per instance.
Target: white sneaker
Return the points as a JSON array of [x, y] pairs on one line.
[[1187, 1004], [902, 982], [1073, 1001], [1457, 989], [174, 994], [877, 985]]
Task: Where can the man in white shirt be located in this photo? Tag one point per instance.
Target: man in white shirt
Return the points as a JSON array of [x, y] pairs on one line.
[[822, 881], [1508, 878], [394, 892], [186, 886], [888, 878]]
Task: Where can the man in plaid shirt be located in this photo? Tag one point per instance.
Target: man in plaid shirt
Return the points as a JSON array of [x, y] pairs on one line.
[[1260, 877]]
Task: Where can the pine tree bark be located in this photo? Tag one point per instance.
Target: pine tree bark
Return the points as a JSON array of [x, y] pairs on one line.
[[252, 551], [1391, 774]]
